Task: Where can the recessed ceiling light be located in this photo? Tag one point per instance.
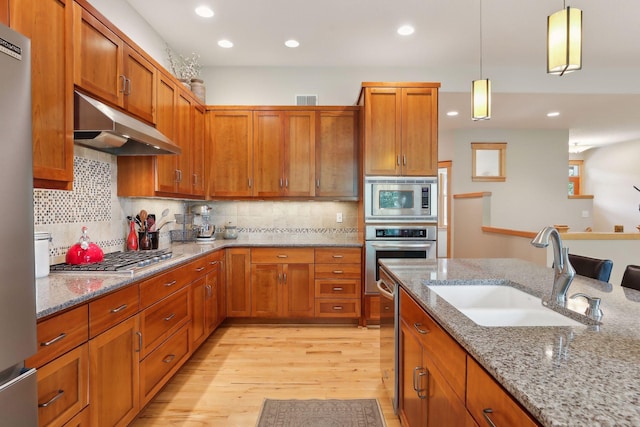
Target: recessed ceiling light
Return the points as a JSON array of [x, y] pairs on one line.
[[225, 44], [204, 11], [406, 30], [292, 43], [452, 113], [553, 114]]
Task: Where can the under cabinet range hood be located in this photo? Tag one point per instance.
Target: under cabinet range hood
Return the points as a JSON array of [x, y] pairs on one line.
[[103, 128]]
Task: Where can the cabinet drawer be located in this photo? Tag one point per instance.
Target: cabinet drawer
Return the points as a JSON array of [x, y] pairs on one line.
[[444, 351], [63, 387], [338, 256], [213, 259], [483, 392], [282, 256], [338, 271], [60, 334], [80, 420], [157, 368], [162, 319], [158, 287], [112, 309], [337, 307], [329, 288]]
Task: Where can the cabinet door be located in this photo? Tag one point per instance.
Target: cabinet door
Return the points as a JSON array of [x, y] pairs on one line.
[[382, 131], [98, 57], [4, 12], [299, 154], [266, 284], [419, 156], [48, 25], [166, 123], [114, 355], [337, 154], [140, 89], [197, 152], [221, 295], [184, 127], [238, 282], [212, 316], [413, 379], [269, 153], [198, 316], [231, 153], [298, 290]]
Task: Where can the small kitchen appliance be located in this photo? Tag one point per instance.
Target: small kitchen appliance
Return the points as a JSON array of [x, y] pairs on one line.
[[400, 199]]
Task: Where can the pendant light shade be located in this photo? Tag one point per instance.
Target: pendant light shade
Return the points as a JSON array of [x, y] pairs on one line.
[[481, 99], [564, 41]]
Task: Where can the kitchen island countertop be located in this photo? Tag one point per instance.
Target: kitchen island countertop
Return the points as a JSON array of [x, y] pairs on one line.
[[564, 376], [60, 291]]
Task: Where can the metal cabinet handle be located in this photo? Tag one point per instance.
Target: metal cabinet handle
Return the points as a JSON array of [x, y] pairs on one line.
[[285, 278], [283, 256], [169, 358], [279, 278], [338, 307], [286, 183], [118, 309], [53, 399], [123, 84], [398, 159], [213, 262], [169, 317], [199, 269], [485, 414], [53, 341], [420, 331], [426, 389], [338, 256], [249, 182], [404, 159], [415, 381], [280, 182], [337, 289], [173, 282], [127, 86], [209, 291], [338, 272], [195, 179], [318, 183], [139, 334]]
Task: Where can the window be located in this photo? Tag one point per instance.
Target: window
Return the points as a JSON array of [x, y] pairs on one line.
[[575, 177], [488, 161]]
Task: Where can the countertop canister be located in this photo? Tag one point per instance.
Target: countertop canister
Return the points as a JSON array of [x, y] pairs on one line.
[[41, 250]]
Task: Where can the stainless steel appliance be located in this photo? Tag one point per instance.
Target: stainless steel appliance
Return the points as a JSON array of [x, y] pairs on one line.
[[400, 199], [395, 241], [117, 262], [18, 385], [389, 335]]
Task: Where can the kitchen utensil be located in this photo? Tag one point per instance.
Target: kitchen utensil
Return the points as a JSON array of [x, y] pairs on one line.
[[143, 219], [162, 216], [165, 223], [151, 222], [144, 240], [84, 252]]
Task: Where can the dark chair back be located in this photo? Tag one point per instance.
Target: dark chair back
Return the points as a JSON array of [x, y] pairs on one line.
[[599, 269], [631, 277]]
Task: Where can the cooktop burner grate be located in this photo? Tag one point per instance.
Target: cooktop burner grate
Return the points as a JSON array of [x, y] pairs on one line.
[[118, 261]]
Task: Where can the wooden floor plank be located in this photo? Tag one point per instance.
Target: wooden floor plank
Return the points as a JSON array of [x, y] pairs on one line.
[[226, 381]]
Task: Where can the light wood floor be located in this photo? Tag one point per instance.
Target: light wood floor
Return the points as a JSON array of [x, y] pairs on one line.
[[227, 379]]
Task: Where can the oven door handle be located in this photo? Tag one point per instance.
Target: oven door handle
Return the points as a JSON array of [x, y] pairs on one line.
[[384, 289], [401, 246]]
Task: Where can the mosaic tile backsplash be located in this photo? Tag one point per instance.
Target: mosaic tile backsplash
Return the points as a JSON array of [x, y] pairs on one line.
[[93, 203]]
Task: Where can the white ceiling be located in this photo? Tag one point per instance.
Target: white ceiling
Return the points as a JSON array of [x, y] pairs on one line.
[[599, 104]]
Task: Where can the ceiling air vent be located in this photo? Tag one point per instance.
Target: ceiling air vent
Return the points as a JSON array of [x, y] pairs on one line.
[[306, 99]]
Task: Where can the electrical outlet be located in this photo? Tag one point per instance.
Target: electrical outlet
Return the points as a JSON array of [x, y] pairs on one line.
[[585, 214], [339, 217]]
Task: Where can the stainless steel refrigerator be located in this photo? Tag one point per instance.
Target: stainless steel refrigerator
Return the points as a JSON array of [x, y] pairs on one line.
[[18, 386]]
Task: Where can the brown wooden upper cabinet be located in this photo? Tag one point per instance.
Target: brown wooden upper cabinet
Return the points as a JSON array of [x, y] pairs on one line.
[[123, 77], [48, 24], [284, 153], [4, 12], [400, 128]]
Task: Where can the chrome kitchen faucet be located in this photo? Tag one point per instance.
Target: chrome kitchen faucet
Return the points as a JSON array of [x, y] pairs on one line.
[[564, 271]]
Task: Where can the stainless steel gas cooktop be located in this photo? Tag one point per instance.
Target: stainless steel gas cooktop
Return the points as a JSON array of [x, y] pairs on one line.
[[117, 262]]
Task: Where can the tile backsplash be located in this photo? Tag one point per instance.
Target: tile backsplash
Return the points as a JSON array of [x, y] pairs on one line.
[[94, 203]]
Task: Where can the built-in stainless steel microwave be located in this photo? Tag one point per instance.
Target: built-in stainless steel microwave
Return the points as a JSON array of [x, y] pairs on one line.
[[400, 199]]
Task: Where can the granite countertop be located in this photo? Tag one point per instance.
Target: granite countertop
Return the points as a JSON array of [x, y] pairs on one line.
[[60, 291], [564, 376]]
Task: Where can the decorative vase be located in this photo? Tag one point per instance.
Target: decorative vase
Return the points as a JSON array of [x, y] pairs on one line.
[[185, 83], [132, 239], [198, 88]]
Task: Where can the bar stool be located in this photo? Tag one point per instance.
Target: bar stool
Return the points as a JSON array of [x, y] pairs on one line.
[[631, 277], [599, 269]]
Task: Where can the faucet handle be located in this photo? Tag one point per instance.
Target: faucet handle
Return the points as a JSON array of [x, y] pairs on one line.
[[593, 311]]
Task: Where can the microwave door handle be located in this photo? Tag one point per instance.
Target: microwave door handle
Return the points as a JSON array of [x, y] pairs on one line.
[[402, 246]]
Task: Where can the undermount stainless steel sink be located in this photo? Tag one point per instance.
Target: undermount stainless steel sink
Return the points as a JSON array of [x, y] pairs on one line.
[[500, 305]]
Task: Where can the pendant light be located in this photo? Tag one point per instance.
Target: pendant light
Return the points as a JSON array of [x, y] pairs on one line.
[[564, 41], [481, 89]]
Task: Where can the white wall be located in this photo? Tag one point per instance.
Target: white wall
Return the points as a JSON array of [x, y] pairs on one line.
[[535, 192], [610, 174]]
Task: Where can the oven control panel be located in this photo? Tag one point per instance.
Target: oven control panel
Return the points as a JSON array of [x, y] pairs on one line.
[[399, 233]]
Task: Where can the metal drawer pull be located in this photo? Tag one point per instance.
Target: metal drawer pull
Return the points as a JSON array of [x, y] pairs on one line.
[[283, 256], [426, 389], [208, 288], [169, 317], [318, 183], [199, 269], [213, 262], [485, 414], [415, 381], [338, 272], [124, 83], [338, 256], [285, 277], [53, 341], [118, 309], [173, 282], [139, 334], [420, 331], [337, 307], [337, 289], [53, 399], [169, 358]]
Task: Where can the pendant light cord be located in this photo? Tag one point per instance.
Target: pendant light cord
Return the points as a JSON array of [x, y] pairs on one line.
[[480, 39]]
